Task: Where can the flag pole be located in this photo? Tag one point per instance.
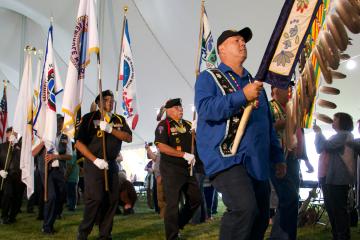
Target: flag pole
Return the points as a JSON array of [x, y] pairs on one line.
[[197, 72], [118, 72], [9, 152], [102, 117], [197, 64], [46, 163]]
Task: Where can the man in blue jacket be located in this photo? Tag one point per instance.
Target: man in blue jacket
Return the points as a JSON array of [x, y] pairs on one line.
[[243, 178]]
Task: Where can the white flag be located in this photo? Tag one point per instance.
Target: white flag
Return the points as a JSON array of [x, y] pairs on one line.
[[85, 41], [45, 124], [127, 75], [23, 126], [208, 57]]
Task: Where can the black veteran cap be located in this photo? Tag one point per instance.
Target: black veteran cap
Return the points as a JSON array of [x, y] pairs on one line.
[[59, 116], [245, 33], [104, 94], [173, 102]]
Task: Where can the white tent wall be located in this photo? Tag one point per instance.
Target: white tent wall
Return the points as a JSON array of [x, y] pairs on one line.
[[164, 39]]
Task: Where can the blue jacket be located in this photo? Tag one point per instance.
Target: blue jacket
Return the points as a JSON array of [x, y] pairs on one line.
[[259, 146]]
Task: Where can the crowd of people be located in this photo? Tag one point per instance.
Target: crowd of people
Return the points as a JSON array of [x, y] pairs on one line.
[[193, 163]]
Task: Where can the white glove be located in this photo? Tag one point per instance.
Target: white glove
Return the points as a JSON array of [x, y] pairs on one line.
[[55, 163], [101, 163], [3, 174], [190, 158], [194, 125], [13, 139], [106, 127]]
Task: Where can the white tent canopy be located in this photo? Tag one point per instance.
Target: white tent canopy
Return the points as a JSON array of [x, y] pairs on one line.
[[164, 35]]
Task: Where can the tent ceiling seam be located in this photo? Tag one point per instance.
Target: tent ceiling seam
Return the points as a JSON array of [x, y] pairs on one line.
[[162, 47]]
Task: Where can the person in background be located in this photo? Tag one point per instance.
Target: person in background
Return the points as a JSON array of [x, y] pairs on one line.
[[13, 187], [173, 138], [155, 157], [285, 220], [338, 173], [56, 174], [355, 145], [152, 176], [72, 178]]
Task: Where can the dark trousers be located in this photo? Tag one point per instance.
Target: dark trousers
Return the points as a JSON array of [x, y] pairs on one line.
[[37, 198], [287, 190], [335, 199], [154, 194], [71, 195], [247, 201], [176, 180], [55, 196], [100, 206], [200, 214], [13, 191], [209, 193]]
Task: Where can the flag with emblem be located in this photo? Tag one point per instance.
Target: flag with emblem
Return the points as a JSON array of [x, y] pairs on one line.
[[127, 76], [23, 126], [3, 116], [208, 57], [44, 122], [85, 41]]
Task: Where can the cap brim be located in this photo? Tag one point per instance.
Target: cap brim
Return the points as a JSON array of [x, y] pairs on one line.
[[246, 33]]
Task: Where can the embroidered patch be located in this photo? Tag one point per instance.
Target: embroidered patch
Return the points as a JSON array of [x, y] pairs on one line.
[[160, 129]]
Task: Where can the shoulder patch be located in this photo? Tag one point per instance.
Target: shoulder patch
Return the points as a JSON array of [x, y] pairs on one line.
[[160, 129]]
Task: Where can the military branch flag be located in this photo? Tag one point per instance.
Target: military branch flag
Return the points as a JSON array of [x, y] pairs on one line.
[[208, 57], [45, 123], [85, 41], [23, 126], [3, 116], [127, 76]]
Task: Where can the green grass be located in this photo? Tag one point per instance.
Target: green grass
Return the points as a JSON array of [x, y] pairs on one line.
[[143, 225]]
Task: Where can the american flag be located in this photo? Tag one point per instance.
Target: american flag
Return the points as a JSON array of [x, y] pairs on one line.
[[3, 116]]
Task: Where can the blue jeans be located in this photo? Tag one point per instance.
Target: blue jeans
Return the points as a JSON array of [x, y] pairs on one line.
[[287, 190], [247, 201]]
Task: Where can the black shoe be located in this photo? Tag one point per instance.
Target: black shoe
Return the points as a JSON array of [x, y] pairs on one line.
[[12, 220], [30, 210], [81, 236], [105, 238], [48, 232], [5, 221], [129, 211], [118, 211]]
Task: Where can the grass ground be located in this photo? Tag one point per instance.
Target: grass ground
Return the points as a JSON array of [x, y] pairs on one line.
[[144, 225]]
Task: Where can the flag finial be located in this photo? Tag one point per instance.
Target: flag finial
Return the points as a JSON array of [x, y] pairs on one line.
[[126, 8], [5, 82], [30, 49]]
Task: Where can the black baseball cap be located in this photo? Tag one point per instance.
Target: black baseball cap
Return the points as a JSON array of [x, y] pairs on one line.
[[104, 94], [59, 116], [246, 33], [173, 102]]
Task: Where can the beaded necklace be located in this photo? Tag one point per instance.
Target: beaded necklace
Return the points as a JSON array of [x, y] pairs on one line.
[[238, 87], [256, 102]]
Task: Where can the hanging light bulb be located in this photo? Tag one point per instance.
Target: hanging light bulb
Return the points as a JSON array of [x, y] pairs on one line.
[[351, 64]]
